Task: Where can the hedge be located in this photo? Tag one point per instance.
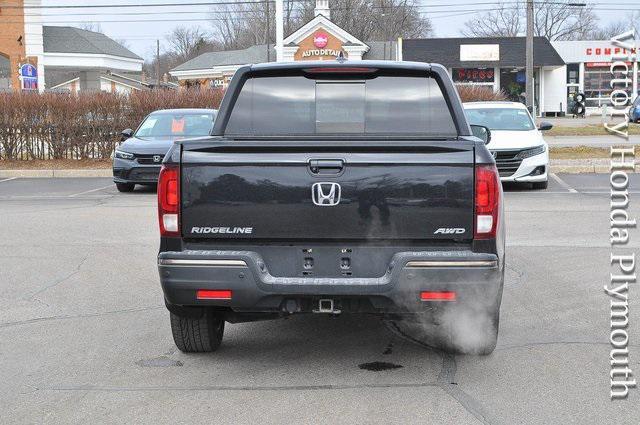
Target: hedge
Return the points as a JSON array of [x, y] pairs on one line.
[[82, 126], [88, 125]]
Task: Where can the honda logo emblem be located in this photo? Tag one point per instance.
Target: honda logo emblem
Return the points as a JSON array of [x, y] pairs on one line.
[[326, 194], [157, 158]]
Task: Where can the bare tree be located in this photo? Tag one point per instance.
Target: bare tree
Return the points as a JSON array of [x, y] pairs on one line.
[[610, 30], [505, 21], [377, 20], [563, 22], [551, 20], [91, 26], [631, 21], [188, 42], [244, 25]]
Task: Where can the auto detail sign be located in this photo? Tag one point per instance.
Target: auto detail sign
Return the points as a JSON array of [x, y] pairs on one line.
[[320, 45], [28, 75]]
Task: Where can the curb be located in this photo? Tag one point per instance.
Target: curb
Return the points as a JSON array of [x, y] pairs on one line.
[[100, 172], [579, 169]]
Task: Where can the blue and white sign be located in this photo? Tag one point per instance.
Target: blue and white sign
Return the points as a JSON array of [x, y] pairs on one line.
[[28, 74]]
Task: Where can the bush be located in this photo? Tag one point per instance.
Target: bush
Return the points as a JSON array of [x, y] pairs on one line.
[[471, 93], [83, 126]]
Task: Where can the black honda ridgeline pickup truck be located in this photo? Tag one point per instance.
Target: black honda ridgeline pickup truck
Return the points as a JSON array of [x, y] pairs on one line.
[[331, 188]]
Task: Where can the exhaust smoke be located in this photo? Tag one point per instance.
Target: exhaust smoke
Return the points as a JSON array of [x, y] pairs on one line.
[[467, 326]]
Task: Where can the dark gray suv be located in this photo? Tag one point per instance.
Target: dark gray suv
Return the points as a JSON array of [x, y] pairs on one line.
[[138, 159]]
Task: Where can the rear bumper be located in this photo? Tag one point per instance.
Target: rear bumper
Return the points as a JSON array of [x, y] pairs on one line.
[[475, 277]]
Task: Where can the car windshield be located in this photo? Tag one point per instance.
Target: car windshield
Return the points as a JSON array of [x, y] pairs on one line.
[[176, 125], [500, 118]]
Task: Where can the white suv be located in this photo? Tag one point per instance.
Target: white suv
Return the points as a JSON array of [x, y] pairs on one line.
[[520, 152]]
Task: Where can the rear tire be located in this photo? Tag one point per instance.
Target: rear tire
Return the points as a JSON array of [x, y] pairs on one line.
[[125, 187], [540, 185], [202, 335]]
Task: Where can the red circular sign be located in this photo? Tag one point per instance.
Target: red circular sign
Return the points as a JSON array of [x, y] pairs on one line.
[[320, 40]]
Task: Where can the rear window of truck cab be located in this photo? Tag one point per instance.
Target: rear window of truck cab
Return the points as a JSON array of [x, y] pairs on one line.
[[298, 105]]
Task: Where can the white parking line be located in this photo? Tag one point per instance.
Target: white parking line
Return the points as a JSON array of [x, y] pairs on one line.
[[9, 179], [90, 191], [562, 183]]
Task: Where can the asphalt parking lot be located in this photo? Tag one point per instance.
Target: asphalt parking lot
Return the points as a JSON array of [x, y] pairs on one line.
[[85, 338]]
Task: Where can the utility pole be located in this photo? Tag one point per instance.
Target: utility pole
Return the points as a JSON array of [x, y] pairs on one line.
[[279, 29], [268, 31], [529, 65], [158, 62]]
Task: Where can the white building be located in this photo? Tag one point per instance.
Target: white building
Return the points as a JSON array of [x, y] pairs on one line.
[[32, 56], [498, 63], [588, 71]]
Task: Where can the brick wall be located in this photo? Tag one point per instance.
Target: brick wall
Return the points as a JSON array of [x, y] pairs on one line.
[[11, 29]]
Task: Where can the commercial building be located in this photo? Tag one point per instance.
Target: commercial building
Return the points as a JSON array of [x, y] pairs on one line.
[[30, 52], [588, 71], [498, 63]]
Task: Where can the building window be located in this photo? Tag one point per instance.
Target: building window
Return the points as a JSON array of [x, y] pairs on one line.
[[573, 73], [597, 86], [473, 76], [5, 73]]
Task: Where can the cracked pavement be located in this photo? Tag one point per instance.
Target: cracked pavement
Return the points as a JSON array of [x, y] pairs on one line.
[[85, 338]]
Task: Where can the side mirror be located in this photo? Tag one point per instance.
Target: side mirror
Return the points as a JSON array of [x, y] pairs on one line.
[[544, 126], [126, 134], [481, 132]]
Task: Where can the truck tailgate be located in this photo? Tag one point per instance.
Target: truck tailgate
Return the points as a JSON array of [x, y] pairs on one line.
[[408, 192]]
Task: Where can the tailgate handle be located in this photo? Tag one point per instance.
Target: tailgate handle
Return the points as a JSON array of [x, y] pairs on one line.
[[326, 166]]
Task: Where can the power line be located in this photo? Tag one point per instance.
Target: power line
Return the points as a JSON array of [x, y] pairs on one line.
[[128, 5], [208, 19], [245, 2], [205, 19]]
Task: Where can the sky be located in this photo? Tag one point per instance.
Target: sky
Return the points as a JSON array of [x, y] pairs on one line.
[[447, 16]]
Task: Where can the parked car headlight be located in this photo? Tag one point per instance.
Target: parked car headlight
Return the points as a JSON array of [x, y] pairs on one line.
[[528, 153], [124, 155]]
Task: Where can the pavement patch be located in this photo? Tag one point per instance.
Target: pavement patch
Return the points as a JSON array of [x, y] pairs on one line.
[[162, 361], [379, 366]]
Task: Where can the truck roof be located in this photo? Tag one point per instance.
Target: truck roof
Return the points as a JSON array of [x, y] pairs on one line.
[[345, 64]]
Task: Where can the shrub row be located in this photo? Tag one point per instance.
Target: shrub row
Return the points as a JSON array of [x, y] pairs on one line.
[[472, 93], [88, 125], [83, 126]]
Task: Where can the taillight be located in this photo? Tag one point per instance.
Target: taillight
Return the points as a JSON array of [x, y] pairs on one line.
[[215, 294], [487, 202], [169, 200], [438, 296]]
